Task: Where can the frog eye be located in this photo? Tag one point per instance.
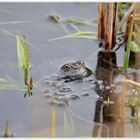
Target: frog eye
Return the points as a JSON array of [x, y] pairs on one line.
[[68, 67]]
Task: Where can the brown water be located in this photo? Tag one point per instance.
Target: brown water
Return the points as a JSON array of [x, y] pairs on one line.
[[33, 116]]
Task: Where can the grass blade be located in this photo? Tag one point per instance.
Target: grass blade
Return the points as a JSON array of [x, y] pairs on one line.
[[26, 63], [78, 35], [53, 128], [19, 52], [78, 21], [6, 130], [128, 49]]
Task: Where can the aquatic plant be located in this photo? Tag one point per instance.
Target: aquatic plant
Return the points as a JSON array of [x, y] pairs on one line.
[[23, 63], [108, 102], [120, 10], [86, 34], [132, 45], [129, 45], [6, 131], [53, 127], [78, 21]]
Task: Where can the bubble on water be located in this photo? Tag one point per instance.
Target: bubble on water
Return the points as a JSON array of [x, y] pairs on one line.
[[54, 83], [59, 94], [46, 78], [74, 97], [107, 87], [90, 80], [58, 103], [101, 98], [47, 82], [48, 95], [101, 87], [65, 89], [100, 82], [94, 82], [61, 98], [92, 86], [85, 94], [46, 91]]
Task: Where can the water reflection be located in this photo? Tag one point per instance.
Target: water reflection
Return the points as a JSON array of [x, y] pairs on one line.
[[111, 115]]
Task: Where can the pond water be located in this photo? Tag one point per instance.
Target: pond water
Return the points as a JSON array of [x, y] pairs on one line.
[[36, 116]]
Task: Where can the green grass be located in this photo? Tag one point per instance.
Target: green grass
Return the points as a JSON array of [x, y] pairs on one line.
[[120, 10], [86, 35], [22, 55], [78, 21], [23, 63], [129, 46]]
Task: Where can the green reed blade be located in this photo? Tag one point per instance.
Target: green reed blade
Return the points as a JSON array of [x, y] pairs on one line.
[[78, 35], [120, 10], [25, 75], [53, 127], [130, 100], [86, 37], [20, 53], [128, 49], [26, 63], [78, 21], [6, 131]]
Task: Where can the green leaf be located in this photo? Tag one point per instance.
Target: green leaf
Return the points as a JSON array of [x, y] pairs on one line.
[[87, 35], [26, 64], [78, 21], [20, 52], [120, 10], [134, 47], [126, 60]]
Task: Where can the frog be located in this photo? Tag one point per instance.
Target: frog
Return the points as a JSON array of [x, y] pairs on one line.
[[75, 70]]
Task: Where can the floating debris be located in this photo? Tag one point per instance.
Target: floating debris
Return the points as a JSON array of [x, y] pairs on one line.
[[54, 18]]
